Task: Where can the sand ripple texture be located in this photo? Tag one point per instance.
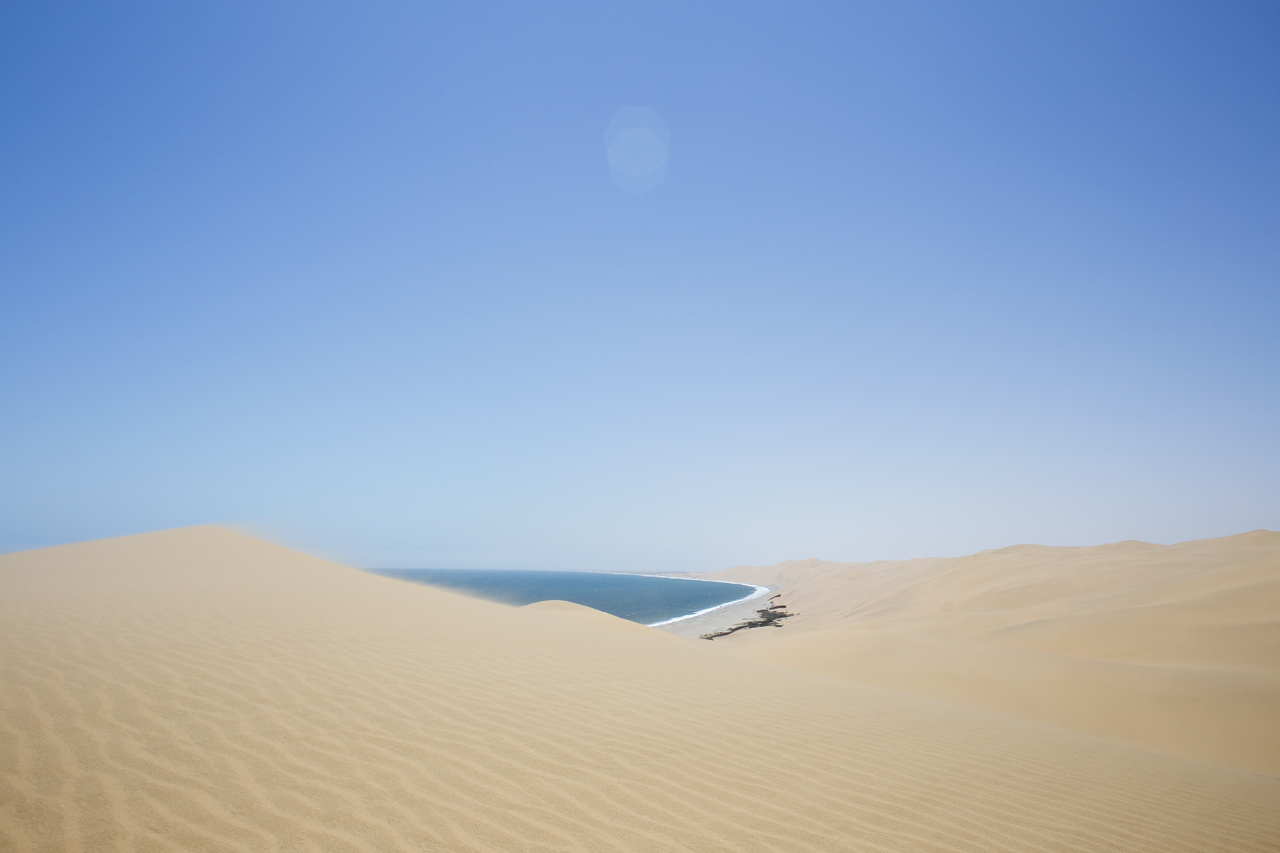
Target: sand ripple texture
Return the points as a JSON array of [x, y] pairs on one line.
[[202, 690], [1171, 647]]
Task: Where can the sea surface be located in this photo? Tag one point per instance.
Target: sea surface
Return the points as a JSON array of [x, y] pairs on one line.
[[646, 599]]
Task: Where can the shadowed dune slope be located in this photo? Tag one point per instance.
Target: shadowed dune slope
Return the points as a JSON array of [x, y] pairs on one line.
[[202, 690], [1175, 647]]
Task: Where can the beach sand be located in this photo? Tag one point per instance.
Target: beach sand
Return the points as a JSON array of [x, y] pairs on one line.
[[716, 620], [199, 689]]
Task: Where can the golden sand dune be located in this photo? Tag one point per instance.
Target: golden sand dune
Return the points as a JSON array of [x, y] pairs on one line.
[[199, 690], [1172, 647], [589, 615]]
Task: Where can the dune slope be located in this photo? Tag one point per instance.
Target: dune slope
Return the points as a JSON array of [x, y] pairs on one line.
[[1176, 648], [201, 690]]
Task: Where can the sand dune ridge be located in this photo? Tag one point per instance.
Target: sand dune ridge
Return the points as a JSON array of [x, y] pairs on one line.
[[201, 690], [1175, 647]]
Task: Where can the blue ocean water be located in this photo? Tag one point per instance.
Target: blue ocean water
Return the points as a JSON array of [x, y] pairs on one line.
[[640, 598]]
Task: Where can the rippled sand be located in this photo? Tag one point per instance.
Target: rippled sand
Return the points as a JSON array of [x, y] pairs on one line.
[[1173, 647], [201, 690]]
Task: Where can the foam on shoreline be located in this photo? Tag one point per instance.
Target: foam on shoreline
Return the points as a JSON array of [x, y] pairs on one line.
[[756, 592]]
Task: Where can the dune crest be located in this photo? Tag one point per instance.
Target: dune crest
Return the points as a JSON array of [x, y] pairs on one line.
[[199, 689], [590, 616], [1172, 647]]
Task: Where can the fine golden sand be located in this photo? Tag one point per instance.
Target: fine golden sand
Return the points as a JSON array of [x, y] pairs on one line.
[[200, 690], [1173, 647]]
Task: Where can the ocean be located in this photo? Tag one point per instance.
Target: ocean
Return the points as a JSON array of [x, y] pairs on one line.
[[646, 599]]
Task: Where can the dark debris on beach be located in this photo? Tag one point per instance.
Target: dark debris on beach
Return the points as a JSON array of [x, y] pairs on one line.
[[771, 615]]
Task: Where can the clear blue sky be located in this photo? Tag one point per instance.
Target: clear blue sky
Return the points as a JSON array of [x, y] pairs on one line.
[[921, 279]]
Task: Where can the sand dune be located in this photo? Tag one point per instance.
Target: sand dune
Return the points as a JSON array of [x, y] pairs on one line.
[[1174, 647], [590, 616], [201, 690]]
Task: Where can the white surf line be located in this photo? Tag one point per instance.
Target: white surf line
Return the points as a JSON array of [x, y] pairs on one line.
[[756, 592]]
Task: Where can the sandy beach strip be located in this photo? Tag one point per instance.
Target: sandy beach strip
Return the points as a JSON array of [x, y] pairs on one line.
[[718, 618]]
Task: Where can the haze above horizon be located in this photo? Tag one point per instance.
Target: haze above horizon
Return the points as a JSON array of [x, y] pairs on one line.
[[640, 287]]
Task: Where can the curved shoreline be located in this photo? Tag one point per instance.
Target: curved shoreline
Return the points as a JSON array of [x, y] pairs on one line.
[[756, 592]]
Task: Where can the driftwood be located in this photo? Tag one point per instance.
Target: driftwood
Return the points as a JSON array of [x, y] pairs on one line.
[[771, 615]]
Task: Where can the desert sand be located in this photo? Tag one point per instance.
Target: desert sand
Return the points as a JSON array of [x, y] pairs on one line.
[[1175, 647], [199, 689]]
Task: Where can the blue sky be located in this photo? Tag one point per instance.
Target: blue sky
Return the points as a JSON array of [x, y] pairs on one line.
[[920, 279]]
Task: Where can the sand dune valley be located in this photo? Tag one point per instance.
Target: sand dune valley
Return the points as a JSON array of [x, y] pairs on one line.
[[202, 690]]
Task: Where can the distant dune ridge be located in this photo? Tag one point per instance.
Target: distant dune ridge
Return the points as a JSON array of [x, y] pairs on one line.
[[1172, 647], [198, 689]]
